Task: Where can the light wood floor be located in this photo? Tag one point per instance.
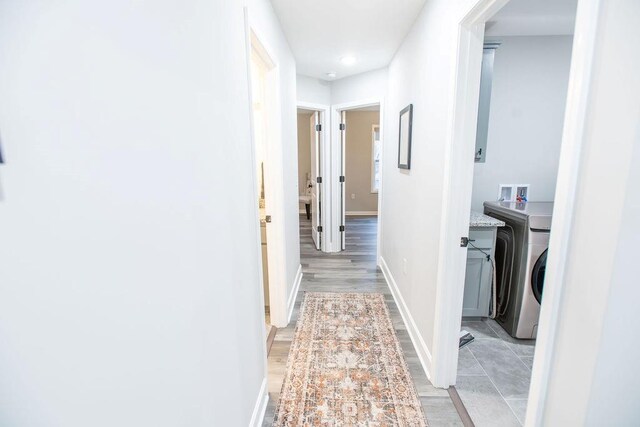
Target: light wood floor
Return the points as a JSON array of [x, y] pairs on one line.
[[353, 270]]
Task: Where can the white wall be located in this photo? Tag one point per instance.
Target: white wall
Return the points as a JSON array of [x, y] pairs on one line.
[[593, 375], [312, 90], [127, 250], [422, 74], [527, 113], [372, 84], [284, 152]]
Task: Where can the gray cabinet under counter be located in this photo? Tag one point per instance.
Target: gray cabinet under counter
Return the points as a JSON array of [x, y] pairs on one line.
[[479, 273]]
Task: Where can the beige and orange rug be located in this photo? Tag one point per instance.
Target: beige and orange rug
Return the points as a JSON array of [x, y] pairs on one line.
[[346, 367]]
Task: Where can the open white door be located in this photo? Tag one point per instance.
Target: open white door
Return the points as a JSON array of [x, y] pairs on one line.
[[316, 180], [343, 144]]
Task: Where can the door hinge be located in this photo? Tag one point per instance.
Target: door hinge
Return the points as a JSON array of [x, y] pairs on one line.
[[343, 126], [318, 128], [342, 228], [319, 228], [342, 179], [319, 180]]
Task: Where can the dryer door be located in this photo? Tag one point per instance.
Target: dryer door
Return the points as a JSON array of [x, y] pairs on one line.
[[504, 256], [537, 276]]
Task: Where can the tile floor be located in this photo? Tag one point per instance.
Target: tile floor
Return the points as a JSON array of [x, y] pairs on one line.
[[494, 372]]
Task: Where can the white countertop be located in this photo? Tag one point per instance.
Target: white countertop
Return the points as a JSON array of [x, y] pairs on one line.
[[478, 219]]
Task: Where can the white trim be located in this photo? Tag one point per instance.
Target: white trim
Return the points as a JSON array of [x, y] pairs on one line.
[[575, 122], [256, 191], [373, 153], [456, 192], [260, 408], [257, 412], [424, 355], [294, 293], [312, 106], [380, 192], [361, 213], [273, 177], [342, 171], [325, 169], [367, 102]]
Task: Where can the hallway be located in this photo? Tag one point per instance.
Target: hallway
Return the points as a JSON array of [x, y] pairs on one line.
[[353, 270]]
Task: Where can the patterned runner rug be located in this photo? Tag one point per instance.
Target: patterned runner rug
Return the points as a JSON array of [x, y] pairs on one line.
[[346, 367]]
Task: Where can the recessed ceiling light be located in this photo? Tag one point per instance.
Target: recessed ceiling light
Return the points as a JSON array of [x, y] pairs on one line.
[[348, 60], [331, 75]]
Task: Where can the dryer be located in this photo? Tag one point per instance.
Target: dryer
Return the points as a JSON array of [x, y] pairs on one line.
[[520, 257]]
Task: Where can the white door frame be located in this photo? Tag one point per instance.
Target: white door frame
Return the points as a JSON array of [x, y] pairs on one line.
[[458, 187], [274, 181], [337, 162], [575, 123], [325, 119]]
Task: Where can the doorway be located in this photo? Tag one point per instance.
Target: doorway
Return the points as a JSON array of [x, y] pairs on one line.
[[361, 177], [358, 166], [519, 255], [313, 192], [310, 183], [261, 74]]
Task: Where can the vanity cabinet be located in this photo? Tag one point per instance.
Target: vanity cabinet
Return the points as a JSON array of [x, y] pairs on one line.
[[479, 275]]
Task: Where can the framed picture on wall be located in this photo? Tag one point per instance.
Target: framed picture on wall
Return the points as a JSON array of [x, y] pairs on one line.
[[404, 142]]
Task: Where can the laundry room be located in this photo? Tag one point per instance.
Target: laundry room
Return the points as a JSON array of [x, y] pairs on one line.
[[523, 92]]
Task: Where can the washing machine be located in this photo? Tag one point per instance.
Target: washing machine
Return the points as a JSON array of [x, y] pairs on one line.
[[520, 258]]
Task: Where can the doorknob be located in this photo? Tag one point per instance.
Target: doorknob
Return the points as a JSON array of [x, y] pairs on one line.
[[267, 218]]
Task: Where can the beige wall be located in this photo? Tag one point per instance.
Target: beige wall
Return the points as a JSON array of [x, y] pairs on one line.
[[358, 161], [304, 151]]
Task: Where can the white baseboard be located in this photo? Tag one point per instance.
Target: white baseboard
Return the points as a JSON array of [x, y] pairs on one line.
[[421, 347], [361, 213], [294, 293], [260, 407]]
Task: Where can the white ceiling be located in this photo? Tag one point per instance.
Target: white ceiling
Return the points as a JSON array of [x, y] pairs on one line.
[[533, 18], [320, 32]]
